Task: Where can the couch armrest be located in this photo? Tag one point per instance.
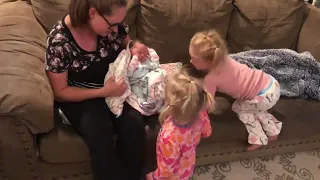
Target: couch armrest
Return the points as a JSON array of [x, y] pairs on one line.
[[28, 97], [17, 150], [309, 38], [25, 92]]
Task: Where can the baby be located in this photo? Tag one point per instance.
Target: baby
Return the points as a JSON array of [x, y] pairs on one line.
[[145, 78], [139, 49]]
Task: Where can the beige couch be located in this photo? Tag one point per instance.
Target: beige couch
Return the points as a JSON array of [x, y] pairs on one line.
[[35, 145]]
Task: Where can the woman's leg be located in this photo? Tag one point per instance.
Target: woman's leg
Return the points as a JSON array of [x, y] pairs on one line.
[[152, 134], [93, 121], [131, 142]]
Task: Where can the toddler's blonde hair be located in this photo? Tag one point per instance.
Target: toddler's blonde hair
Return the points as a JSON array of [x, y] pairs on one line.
[[185, 98], [209, 45]]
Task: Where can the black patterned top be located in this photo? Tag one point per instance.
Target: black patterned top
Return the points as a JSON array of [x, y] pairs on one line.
[[85, 69]]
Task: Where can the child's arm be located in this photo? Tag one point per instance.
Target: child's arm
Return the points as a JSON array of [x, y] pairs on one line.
[[167, 155], [206, 129], [210, 86]]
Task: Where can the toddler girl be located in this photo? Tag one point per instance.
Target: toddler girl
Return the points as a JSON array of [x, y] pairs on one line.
[[184, 122], [255, 91]]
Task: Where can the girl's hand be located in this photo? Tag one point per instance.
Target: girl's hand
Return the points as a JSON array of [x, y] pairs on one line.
[[112, 88]]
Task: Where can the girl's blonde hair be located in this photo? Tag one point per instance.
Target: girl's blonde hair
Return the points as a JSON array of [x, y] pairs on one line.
[[209, 45], [185, 98]]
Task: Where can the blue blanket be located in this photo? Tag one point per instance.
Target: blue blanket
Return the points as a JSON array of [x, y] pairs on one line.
[[297, 73]]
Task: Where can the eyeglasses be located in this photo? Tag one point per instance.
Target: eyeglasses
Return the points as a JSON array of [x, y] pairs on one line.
[[110, 25]]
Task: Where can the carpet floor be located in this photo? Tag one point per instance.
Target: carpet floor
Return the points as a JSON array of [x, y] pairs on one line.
[[292, 166]]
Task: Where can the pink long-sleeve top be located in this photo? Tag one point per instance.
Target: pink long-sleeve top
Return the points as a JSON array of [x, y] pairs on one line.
[[236, 79], [176, 148]]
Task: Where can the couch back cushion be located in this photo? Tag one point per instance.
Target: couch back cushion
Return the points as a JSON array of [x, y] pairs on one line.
[[168, 25], [48, 12], [257, 24], [25, 92], [309, 39]]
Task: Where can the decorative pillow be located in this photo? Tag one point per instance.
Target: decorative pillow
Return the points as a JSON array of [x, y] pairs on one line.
[[171, 68]]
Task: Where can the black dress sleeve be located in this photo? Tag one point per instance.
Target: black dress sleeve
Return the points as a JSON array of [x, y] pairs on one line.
[[58, 54]]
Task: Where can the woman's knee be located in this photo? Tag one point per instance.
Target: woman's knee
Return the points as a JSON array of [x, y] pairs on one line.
[[96, 123], [131, 127], [132, 130], [97, 128], [130, 121]]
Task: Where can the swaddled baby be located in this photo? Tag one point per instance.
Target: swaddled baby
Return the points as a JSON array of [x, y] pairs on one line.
[[139, 66], [146, 79]]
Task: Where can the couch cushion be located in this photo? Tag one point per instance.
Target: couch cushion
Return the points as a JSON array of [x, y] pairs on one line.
[[25, 92], [309, 39], [63, 145], [168, 25], [257, 24], [48, 12], [300, 118]]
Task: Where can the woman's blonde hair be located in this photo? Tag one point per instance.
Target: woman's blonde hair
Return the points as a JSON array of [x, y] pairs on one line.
[[79, 9], [185, 98], [209, 45]]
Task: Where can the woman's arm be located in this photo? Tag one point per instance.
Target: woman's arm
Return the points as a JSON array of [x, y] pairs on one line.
[[62, 92], [57, 62]]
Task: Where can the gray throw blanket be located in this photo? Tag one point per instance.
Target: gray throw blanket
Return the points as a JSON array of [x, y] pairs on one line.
[[297, 73]]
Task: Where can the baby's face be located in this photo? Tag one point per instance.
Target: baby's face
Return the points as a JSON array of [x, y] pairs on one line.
[[140, 50]]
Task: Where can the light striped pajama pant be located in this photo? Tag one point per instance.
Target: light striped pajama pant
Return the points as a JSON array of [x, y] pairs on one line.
[[253, 113]]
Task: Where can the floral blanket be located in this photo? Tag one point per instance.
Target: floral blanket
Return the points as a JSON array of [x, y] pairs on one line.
[[145, 81]]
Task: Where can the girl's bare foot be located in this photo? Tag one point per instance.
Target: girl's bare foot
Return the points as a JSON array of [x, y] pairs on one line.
[[272, 138], [254, 147]]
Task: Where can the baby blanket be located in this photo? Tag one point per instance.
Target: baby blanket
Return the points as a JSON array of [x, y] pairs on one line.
[[297, 73], [118, 69], [145, 82]]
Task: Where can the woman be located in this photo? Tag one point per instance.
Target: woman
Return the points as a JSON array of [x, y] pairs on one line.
[[80, 48]]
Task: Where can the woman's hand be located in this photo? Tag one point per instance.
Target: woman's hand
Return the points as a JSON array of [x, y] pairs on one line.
[[112, 88]]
